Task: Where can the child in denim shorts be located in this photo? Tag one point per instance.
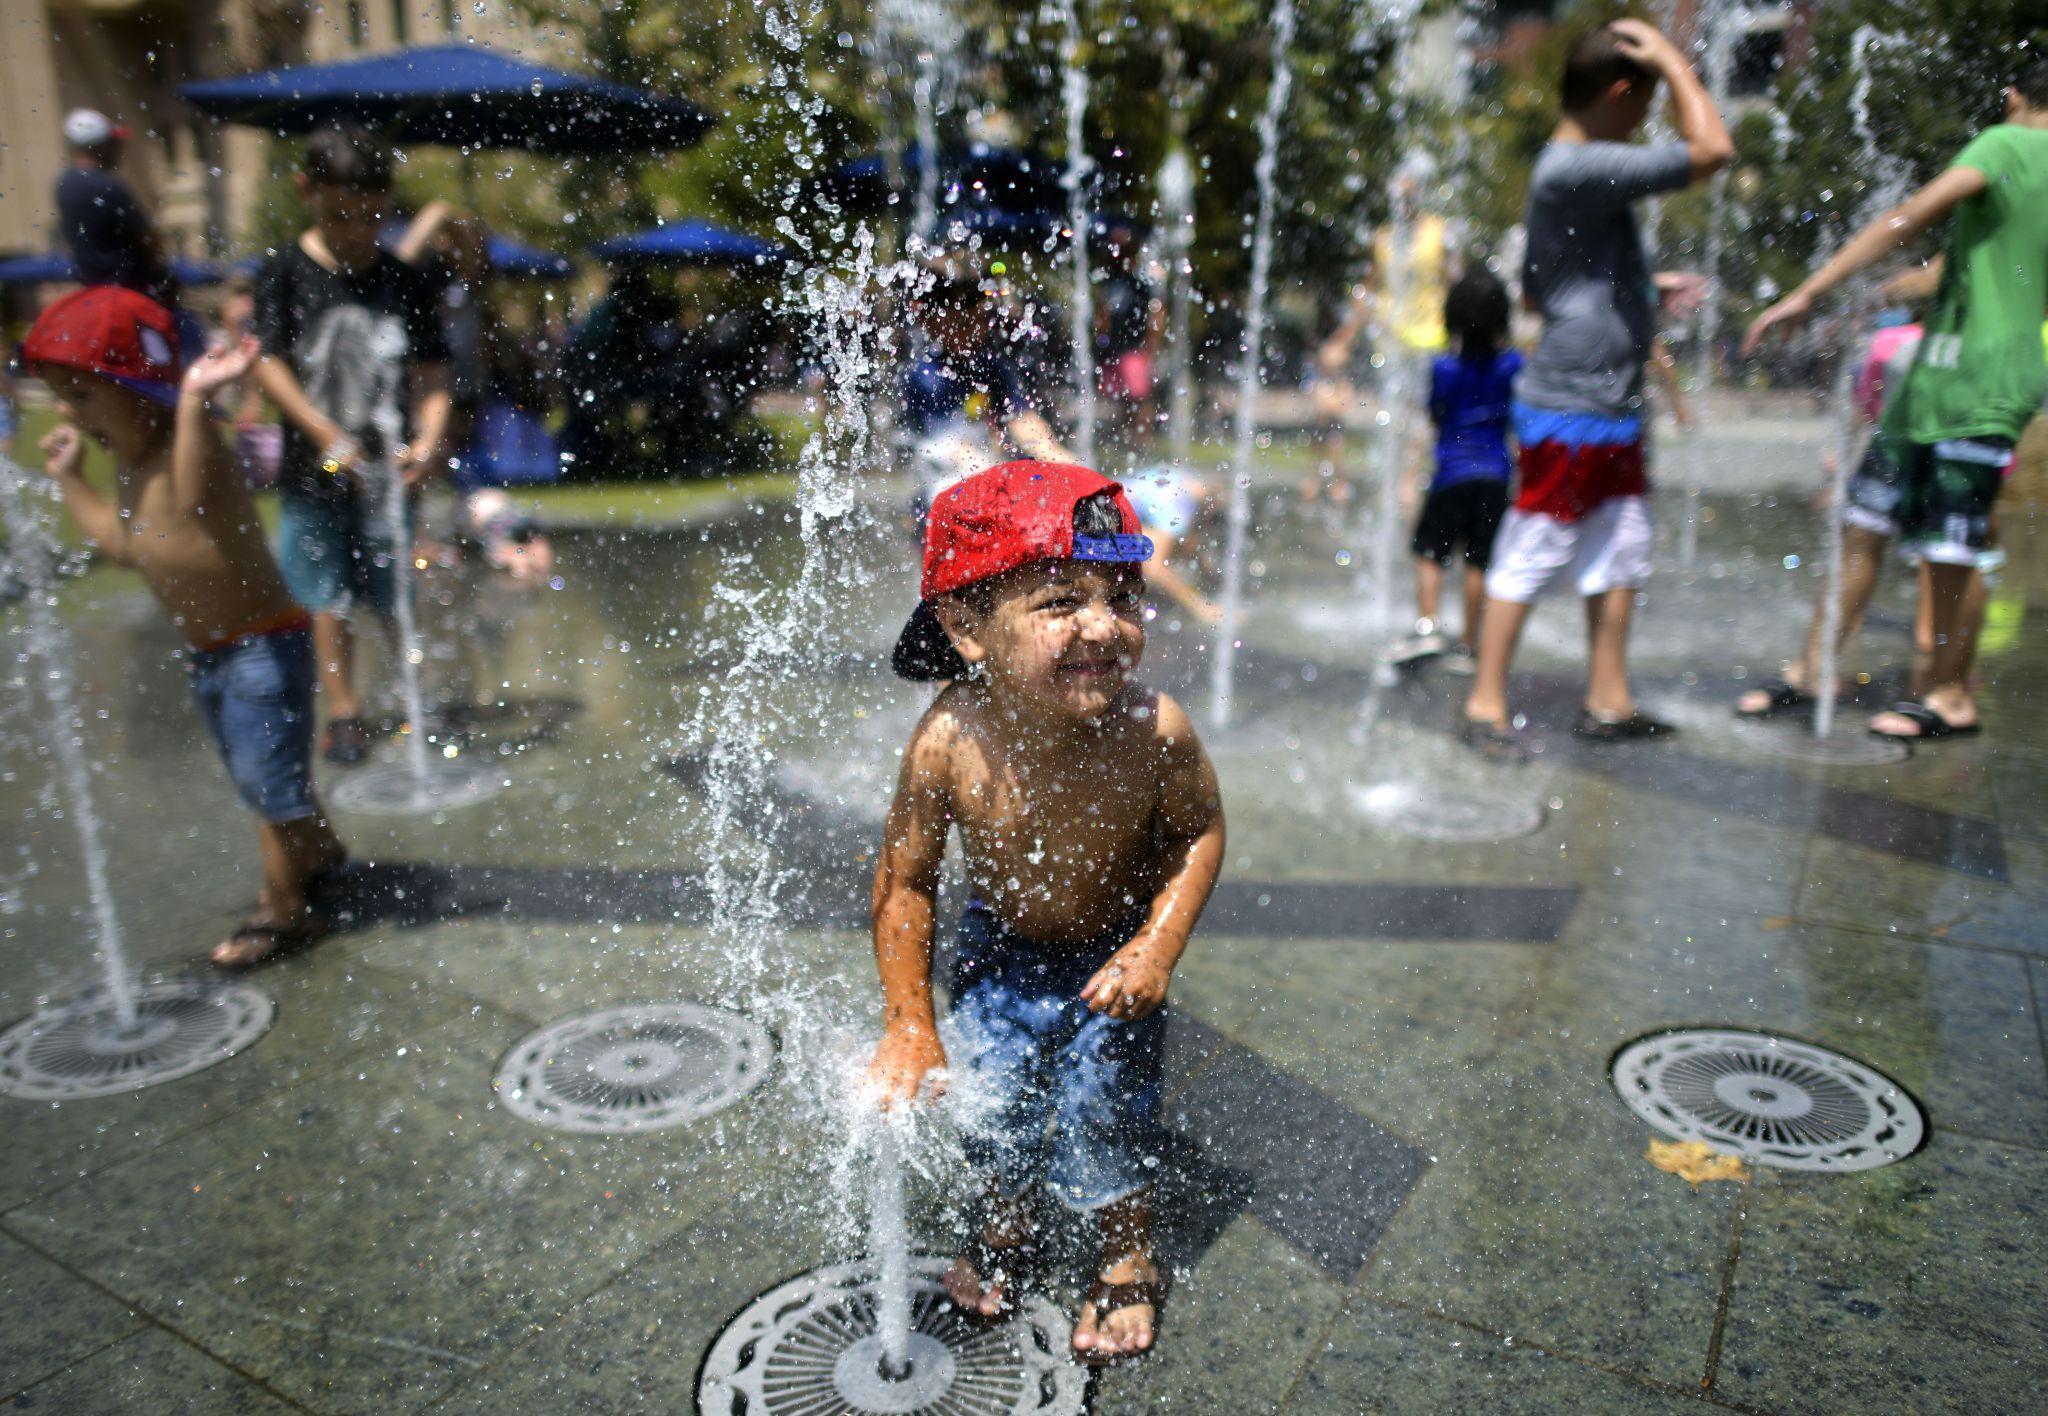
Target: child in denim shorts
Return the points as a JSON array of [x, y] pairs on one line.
[[1092, 829], [180, 514]]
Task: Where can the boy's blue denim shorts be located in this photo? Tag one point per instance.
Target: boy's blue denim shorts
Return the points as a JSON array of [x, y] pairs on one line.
[[1037, 1057], [257, 698], [335, 554]]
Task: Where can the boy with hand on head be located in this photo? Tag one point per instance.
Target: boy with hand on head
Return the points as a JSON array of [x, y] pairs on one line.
[[181, 516], [1093, 833], [352, 345], [1932, 473], [1581, 513]]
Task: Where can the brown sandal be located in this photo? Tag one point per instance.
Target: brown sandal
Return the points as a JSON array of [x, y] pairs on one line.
[[1106, 1298]]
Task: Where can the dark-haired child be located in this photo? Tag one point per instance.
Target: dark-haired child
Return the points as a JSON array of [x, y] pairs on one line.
[[181, 515], [1581, 514], [1469, 396], [1092, 830], [355, 359], [1931, 476]]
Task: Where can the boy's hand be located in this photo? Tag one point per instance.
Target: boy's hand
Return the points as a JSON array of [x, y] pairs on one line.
[[1131, 985], [1792, 311], [414, 465], [63, 451], [221, 366], [909, 1066], [1645, 44]]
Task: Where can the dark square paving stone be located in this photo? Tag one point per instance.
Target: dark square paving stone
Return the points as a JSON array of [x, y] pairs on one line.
[[1394, 1361], [1922, 1286], [150, 1372], [53, 1318]]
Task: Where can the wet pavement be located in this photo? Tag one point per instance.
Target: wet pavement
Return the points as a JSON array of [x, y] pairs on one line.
[[1400, 1178]]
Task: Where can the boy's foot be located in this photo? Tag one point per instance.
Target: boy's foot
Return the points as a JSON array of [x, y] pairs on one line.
[[1120, 1316], [1908, 721], [994, 1264], [1636, 725], [1774, 695], [1460, 660], [258, 941], [347, 741]]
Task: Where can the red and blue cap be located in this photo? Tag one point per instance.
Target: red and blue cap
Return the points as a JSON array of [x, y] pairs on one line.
[[996, 521], [112, 331]]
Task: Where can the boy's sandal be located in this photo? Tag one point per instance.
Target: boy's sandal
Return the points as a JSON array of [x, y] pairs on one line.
[[1635, 725], [1493, 742], [347, 741], [1106, 1298], [1931, 724], [267, 941], [1779, 695], [1014, 1266]]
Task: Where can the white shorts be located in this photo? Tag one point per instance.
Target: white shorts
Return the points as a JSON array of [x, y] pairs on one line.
[[1607, 549]]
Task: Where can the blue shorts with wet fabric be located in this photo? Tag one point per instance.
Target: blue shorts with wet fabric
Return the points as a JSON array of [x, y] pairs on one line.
[[335, 554], [256, 695], [1062, 1094]]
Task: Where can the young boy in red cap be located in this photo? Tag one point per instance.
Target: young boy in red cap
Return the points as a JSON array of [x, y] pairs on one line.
[[1092, 830], [181, 515]]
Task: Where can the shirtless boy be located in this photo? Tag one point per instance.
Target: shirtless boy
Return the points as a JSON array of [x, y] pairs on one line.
[[1092, 829], [180, 514]]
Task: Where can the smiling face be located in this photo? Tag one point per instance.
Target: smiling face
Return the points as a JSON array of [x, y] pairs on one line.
[[1060, 637]]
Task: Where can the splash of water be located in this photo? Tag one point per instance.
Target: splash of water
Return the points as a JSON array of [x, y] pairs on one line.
[[1176, 214], [1222, 663], [1718, 21], [32, 553], [1074, 97], [398, 527]]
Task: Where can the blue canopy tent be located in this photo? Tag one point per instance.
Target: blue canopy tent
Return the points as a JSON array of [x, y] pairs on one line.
[[52, 268], [692, 242], [457, 95]]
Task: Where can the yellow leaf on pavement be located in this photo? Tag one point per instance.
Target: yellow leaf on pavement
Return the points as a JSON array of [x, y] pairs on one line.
[[1695, 1161]]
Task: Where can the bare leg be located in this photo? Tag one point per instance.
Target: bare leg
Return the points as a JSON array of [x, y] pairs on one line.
[[294, 853], [1862, 558], [1126, 1258], [1006, 1226], [1500, 629], [1475, 605], [334, 649], [1429, 588], [1607, 622], [1948, 692]]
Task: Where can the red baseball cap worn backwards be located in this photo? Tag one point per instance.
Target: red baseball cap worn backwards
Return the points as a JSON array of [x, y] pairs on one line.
[[996, 521], [111, 331]]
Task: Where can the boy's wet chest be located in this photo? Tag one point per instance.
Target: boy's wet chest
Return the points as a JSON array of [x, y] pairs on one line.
[[1050, 817]]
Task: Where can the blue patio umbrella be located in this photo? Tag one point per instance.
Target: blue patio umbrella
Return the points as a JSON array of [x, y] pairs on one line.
[[515, 260], [458, 95], [54, 267], [692, 242]]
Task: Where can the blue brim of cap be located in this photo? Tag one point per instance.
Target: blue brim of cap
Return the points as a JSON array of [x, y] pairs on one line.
[[164, 393], [1125, 549]]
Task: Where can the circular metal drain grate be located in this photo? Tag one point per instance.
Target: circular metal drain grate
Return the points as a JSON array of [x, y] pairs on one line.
[[1772, 1100], [1455, 814], [811, 1346], [181, 1026], [1845, 747], [638, 1067], [392, 790]]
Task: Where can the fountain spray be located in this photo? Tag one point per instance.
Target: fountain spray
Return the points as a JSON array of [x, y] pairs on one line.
[[1223, 662], [1718, 22], [399, 528], [33, 558], [1074, 94]]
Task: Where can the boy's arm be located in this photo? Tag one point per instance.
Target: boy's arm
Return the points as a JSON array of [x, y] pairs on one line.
[[1896, 228], [282, 387], [98, 518], [1693, 113], [194, 450], [906, 888], [431, 404], [1133, 982], [423, 228]]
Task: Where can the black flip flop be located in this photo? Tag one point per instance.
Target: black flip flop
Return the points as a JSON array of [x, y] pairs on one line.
[[1782, 696], [1931, 724], [1493, 742], [285, 940], [1636, 725]]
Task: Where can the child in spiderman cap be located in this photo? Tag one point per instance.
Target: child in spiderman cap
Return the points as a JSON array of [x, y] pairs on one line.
[[180, 514], [1092, 830]]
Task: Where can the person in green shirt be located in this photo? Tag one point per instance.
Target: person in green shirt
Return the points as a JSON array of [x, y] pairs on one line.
[[1932, 474]]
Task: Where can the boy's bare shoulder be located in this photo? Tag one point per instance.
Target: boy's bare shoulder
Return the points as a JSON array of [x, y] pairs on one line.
[[1160, 717], [956, 716]]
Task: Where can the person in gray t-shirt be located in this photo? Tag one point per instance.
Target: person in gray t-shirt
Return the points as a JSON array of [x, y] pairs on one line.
[[1585, 271], [1580, 512]]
